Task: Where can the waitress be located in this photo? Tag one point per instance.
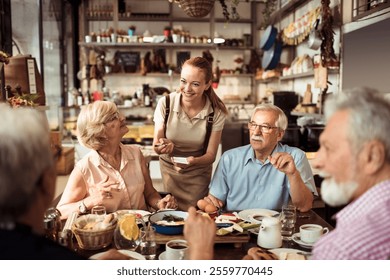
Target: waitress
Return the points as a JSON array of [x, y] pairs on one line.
[[190, 128]]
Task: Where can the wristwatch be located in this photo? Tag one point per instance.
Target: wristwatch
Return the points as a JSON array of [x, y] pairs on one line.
[[82, 208]]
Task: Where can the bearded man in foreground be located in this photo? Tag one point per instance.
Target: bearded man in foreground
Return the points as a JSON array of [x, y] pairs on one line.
[[354, 160]]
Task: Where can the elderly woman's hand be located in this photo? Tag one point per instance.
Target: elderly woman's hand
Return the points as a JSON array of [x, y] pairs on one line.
[[167, 202], [104, 190]]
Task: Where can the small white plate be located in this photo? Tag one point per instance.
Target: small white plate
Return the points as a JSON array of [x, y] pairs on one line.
[[252, 215], [279, 251], [143, 213], [296, 237], [162, 256], [131, 254]]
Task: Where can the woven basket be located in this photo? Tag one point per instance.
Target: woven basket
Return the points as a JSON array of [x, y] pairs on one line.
[[94, 240], [197, 8]]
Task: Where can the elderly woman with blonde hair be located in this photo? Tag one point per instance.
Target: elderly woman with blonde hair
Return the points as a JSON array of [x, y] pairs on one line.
[[111, 174]]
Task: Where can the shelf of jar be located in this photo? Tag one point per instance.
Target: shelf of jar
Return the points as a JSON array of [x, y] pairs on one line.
[[163, 45], [166, 75], [301, 114], [306, 74], [164, 18], [267, 80]]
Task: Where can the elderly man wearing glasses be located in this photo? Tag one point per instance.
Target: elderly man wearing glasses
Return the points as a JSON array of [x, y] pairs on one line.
[[265, 174]]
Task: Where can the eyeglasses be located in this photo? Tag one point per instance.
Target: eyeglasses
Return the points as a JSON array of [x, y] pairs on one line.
[[263, 128], [113, 118]]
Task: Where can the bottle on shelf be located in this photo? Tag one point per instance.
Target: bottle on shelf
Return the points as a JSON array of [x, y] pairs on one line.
[[135, 99], [72, 97], [146, 94], [308, 95], [87, 97], [79, 98]]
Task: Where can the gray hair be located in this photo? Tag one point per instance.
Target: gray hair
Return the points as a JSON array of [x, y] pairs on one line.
[[369, 116], [91, 131], [24, 155], [282, 120]]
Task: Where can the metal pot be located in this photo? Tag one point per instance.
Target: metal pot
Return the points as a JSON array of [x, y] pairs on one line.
[[268, 38], [314, 41], [271, 57]]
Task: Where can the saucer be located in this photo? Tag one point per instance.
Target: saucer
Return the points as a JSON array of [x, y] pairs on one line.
[[256, 215], [296, 237], [163, 257], [131, 254]]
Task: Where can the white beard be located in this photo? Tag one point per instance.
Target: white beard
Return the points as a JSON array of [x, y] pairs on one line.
[[337, 194]]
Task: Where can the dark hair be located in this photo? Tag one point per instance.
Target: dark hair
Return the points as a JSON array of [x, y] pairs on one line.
[[205, 66]]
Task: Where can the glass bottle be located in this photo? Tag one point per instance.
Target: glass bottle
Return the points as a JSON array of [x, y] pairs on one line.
[[146, 94]]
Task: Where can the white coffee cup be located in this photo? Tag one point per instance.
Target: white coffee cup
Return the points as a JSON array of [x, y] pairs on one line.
[[310, 233], [176, 249]]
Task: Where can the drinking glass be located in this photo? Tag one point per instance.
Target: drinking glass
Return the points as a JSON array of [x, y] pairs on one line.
[[288, 217], [99, 211], [127, 234], [148, 244]]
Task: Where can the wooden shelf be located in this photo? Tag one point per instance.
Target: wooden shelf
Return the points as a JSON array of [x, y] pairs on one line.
[[165, 18], [283, 11], [306, 74], [95, 45], [268, 80], [299, 114]]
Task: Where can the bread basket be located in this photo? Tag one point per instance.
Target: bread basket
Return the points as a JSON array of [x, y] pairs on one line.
[[93, 239]]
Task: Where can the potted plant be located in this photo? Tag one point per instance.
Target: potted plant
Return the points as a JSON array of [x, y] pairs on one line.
[[131, 30], [168, 34]]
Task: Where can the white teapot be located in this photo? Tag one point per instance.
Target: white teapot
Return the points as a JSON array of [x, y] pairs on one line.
[[270, 233]]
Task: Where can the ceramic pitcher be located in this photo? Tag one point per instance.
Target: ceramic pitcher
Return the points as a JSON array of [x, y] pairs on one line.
[[270, 233]]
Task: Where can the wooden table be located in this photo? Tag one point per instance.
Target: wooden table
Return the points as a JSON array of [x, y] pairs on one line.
[[231, 247]]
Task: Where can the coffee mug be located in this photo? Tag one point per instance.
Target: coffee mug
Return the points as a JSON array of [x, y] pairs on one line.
[[176, 249], [310, 233]]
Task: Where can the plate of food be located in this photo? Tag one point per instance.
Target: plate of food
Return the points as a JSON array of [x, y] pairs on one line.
[[256, 215], [138, 213], [169, 222], [289, 254], [131, 254]]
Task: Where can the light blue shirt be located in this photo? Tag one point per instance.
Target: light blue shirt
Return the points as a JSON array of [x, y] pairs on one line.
[[243, 182]]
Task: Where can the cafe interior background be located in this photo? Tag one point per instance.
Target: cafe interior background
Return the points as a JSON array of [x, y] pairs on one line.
[[94, 49]]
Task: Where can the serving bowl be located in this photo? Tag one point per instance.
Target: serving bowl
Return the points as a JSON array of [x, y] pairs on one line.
[[169, 228]]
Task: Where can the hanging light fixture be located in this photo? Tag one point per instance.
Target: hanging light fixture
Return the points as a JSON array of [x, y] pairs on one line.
[[195, 8]]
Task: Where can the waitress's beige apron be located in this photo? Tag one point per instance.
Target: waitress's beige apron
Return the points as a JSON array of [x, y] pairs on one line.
[[187, 185]]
